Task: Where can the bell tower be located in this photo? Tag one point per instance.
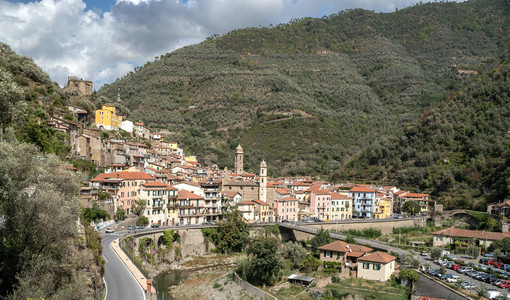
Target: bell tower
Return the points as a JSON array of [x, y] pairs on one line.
[[238, 164], [263, 182]]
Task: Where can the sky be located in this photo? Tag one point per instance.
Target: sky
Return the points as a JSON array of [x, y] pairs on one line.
[[102, 40]]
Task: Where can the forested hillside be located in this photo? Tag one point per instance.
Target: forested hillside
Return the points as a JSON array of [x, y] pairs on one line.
[[458, 150], [311, 95]]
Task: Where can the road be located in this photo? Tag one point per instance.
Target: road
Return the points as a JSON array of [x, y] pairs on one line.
[[120, 284]]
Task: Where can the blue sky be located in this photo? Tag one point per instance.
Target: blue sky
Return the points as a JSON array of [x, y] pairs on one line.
[[101, 40]]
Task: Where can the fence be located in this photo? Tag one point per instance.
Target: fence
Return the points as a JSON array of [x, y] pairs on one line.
[[255, 291]]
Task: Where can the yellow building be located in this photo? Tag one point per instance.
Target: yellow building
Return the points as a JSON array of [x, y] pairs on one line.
[[107, 118], [384, 208], [341, 207], [265, 214]]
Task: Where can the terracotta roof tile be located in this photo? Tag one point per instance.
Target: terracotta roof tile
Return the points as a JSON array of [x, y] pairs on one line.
[[378, 257], [184, 195], [361, 189], [464, 233]]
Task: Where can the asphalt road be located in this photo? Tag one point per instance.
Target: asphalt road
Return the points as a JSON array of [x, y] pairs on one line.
[[120, 283], [427, 287]]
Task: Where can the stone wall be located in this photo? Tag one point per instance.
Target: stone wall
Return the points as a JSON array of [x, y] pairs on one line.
[[385, 226]]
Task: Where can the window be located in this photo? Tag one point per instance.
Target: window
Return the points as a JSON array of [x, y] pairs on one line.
[[377, 267], [366, 266], [122, 194]]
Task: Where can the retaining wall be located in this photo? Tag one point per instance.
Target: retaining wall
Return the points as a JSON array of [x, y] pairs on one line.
[[254, 291]]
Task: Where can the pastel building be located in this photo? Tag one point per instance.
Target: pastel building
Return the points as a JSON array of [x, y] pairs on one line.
[[363, 201], [341, 207], [286, 209], [376, 266], [190, 208], [320, 204], [107, 118], [160, 203]]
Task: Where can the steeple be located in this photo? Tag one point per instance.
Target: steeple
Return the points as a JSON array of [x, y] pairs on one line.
[[239, 160], [263, 181]]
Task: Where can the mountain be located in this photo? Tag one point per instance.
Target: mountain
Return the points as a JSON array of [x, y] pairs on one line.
[[311, 95]]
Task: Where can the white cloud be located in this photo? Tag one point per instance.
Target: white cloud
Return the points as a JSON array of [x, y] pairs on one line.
[[63, 36]]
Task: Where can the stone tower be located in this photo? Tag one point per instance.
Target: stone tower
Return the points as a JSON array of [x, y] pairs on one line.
[[263, 181], [238, 165]]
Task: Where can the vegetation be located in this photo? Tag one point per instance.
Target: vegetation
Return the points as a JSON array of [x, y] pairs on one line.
[[411, 207], [436, 253], [231, 234], [264, 263], [42, 255], [369, 233], [94, 213], [142, 220], [501, 245], [354, 96], [168, 237], [321, 238]]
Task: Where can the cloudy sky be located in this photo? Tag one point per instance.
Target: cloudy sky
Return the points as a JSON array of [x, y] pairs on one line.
[[101, 40]]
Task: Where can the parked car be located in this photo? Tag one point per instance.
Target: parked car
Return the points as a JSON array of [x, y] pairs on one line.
[[131, 227], [453, 279], [155, 225], [492, 295], [432, 272], [482, 267], [456, 267], [490, 254], [491, 262], [483, 277], [497, 282], [504, 284], [468, 285], [446, 276], [483, 260], [109, 230], [424, 253], [471, 273], [491, 278]]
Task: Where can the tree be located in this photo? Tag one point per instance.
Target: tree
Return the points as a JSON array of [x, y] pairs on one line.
[[40, 206], [473, 251], [350, 239], [491, 224], [411, 207], [501, 245], [120, 215], [442, 270], [310, 263], [435, 253], [409, 275], [294, 252], [265, 262], [168, 237], [232, 232], [138, 207], [94, 213], [142, 220], [321, 238]]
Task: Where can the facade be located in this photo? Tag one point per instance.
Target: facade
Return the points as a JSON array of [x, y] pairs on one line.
[[376, 266], [247, 210], [341, 207], [190, 207], [263, 182], [320, 204], [213, 203], [363, 201], [343, 253], [141, 131], [107, 118], [286, 209], [385, 208], [264, 213], [421, 199], [447, 236], [127, 126], [160, 203]]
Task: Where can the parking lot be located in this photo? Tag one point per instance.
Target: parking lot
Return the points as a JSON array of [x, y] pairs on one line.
[[472, 276]]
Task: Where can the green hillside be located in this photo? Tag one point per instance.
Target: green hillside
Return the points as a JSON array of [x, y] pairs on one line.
[[310, 95], [458, 150]]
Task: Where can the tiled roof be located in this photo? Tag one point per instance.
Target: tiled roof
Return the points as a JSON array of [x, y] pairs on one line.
[[230, 194], [340, 246], [287, 199], [260, 202], [416, 195], [378, 257], [507, 203], [283, 191], [246, 202], [184, 195], [464, 233], [338, 196], [361, 189], [123, 175]]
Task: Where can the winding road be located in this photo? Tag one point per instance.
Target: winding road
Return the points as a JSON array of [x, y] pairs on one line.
[[120, 283]]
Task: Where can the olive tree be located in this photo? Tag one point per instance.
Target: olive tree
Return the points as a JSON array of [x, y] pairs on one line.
[[40, 209]]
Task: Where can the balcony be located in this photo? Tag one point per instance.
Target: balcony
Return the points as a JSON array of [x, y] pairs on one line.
[[190, 214], [157, 205]]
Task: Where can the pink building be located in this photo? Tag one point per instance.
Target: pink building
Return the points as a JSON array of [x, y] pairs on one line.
[[320, 204], [286, 209]]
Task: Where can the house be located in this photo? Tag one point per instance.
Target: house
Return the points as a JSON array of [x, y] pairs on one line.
[[363, 201], [141, 131], [342, 252], [190, 208], [385, 208], [232, 197], [341, 207], [320, 204], [212, 199], [161, 199], [247, 210], [286, 209], [107, 118], [447, 236], [421, 199], [376, 266], [264, 213], [190, 186]]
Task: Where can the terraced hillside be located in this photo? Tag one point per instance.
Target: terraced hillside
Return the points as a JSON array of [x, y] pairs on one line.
[[309, 95]]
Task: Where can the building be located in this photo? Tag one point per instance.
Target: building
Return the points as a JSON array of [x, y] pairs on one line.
[[320, 204], [385, 208], [376, 266], [107, 118], [341, 207], [141, 131], [421, 199], [341, 252], [479, 238], [363, 201], [263, 182], [247, 210], [127, 126], [190, 208], [82, 87], [160, 207], [286, 209], [213, 203], [263, 213], [239, 160]]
